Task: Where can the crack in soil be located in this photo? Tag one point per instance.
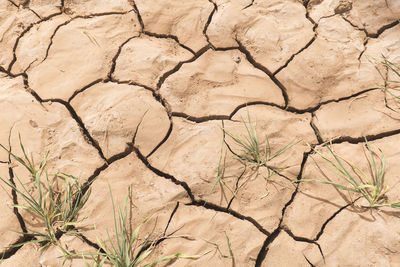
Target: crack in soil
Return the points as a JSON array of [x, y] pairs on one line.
[[136, 10], [13, 192], [321, 231], [114, 60], [62, 5], [81, 125], [249, 5], [179, 65], [370, 137], [79, 17], [271, 236], [26, 6], [317, 107], [169, 36], [259, 66], [84, 88], [236, 184], [265, 247], [378, 32], [315, 26], [303, 239], [89, 242], [315, 129], [200, 119], [308, 261], [13, 3], [194, 201], [12, 249], [14, 59], [130, 82], [363, 51], [212, 206], [295, 54], [34, 12], [160, 173], [171, 125], [215, 9], [252, 103], [171, 216], [384, 28]]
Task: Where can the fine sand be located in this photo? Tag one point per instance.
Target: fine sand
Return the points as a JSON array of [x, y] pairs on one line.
[[139, 92]]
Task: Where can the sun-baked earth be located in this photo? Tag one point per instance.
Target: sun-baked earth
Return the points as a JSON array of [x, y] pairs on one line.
[[138, 93]]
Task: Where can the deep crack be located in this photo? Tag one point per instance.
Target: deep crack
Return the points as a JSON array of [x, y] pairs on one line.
[[372, 35], [170, 217], [321, 231], [194, 202], [169, 36], [361, 139], [212, 206], [315, 129], [14, 59], [305, 240], [295, 54], [78, 17], [160, 173], [179, 65], [309, 43], [136, 9], [115, 58], [265, 247], [215, 9], [84, 88], [81, 125], [265, 70], [321, 104], [249, 5], [262, 254]]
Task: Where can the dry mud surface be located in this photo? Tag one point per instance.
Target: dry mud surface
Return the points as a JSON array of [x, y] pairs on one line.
[[136, 93]]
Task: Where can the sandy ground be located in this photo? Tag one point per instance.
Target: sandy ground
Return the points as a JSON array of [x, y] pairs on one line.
[[136, 93]]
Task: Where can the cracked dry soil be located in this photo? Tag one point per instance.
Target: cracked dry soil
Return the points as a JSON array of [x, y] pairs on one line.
[[136, 93]]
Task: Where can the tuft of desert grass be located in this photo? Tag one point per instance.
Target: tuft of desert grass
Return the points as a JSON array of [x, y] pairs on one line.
[[354, 179], [391, 86], [127, 249], [55, 206], [219, 181], [253, 152]]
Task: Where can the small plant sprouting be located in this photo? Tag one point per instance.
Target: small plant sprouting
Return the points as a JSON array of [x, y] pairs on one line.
[[371, 187], [253, 152], [128, 250], [221, 175], [391, 86], [231, 255], [56, 207]]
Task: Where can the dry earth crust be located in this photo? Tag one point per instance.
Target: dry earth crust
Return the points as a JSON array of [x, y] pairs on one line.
[[149, 95]]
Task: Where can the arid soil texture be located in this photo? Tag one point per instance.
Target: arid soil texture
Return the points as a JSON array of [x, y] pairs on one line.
[[147, 94]]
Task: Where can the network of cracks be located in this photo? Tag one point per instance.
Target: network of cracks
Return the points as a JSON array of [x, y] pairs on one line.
[[140, 94]]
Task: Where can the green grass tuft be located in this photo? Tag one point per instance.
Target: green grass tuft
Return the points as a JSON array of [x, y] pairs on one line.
[[55, 206], [391, 86], [253, 152], [128, 250], [371, 186], [221, 175]]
